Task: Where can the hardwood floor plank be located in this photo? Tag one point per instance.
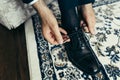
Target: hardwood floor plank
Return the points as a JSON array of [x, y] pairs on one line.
[[13, 54]]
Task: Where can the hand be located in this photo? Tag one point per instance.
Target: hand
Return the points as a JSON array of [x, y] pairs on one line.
[[50, 28], [88, 15], [51, 37]]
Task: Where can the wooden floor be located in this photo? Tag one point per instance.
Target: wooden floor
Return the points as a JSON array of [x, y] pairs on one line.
[[13, 57]]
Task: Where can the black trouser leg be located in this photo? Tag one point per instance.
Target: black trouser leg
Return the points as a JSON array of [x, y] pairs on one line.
[[68, 15]]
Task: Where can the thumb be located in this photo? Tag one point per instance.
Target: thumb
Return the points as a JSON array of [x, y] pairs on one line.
[[91, 29], [57, 34]]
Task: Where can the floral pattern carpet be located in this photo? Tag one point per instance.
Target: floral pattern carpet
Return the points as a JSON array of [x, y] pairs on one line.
[[53, 60]]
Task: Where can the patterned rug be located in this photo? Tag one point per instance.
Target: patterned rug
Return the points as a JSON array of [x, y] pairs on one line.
[[53, 61]]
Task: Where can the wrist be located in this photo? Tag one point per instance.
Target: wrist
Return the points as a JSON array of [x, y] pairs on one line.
[[86, 5], [41, 8], [89, 5], [39, 5]]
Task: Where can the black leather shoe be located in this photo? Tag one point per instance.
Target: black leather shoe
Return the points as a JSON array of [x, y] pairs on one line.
[[78, 49], [80, 53], [82, 56]]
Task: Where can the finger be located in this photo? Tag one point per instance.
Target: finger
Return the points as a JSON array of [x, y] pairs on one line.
[[91, 28], [65, 37], [84, 26], [62, 31], [81, 22], [53, 40], [68, 40], [57, 34], [50, 38], [48, 35], [91, 25], [86, 29]]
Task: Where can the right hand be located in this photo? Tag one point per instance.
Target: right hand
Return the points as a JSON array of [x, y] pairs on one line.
[[88, 22]]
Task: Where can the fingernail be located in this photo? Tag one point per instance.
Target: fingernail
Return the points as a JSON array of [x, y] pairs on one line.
[[60, 42], [93, 32]]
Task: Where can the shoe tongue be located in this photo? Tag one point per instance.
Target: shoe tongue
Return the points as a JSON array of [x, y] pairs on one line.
[[78, 40], [74, 30]]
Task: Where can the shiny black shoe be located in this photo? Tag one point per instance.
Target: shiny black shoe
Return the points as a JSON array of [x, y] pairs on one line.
[[80, 53], [82, 56], [78, 49]]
